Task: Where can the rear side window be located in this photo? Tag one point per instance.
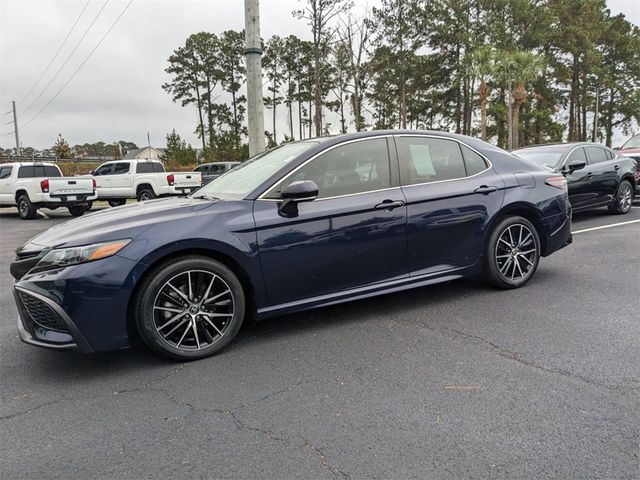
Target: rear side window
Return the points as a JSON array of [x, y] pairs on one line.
[[596, 154], [5, 172], [51, 171], [473, 161], [26, 172], [145, 167], [217, 169], [425, 160], [158, 167]]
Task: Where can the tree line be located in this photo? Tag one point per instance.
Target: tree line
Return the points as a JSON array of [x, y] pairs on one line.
[[514, 72]]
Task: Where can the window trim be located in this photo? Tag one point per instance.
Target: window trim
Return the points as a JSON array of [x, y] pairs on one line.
[[441, 137], [374, 137]]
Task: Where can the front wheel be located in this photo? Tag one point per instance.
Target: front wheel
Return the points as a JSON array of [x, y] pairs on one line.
[[623, 200], [512, 253], [26, 209], [78, 210], [189, 308]]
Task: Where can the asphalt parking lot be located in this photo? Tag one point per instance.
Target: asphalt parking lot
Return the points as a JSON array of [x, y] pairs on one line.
[[450, 381]]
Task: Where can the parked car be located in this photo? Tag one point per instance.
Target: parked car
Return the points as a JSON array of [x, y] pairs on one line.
[[310, 223], [141, 179], [32, 185], [214, 170], [596, 175], [631, 149]]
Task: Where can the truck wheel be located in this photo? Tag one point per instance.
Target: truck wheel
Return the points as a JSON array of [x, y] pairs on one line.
[[26, 209], [116, 203], [146, 194], [77, 210]]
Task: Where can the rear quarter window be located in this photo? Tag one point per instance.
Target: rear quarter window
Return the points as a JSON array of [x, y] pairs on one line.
[[145, 167], [51, 171], [158, 167]]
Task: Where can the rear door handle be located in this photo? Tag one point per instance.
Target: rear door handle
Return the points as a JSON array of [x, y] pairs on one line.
[[485, 190], [617, 167], [389, 205], [589, 175]]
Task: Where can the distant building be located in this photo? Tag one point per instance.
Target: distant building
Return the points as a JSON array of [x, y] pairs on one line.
[[146, 153]]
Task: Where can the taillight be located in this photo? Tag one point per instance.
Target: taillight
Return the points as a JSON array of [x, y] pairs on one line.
[[94, 183], [44, 185], [171, 179], [558, 182]]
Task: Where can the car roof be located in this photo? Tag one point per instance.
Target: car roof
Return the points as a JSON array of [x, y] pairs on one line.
[[28, 164], [561, 145]]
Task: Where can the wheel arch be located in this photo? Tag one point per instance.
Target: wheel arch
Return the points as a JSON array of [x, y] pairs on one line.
[[143, 186], [157, 258], [524, 210], [630, 178], [20, 192]]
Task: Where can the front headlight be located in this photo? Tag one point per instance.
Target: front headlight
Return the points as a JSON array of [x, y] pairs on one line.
[[63, 257]]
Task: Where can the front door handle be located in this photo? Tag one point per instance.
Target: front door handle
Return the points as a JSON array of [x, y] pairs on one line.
[[389, 205], [485, 190], [617, 167], [589, 175]]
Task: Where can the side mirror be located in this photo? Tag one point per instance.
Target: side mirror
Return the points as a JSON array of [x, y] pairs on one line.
[[294, 193], [300, 191], [576, 165]]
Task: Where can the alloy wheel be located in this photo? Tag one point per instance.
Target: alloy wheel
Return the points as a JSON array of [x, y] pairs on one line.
[[625, 197], [193, 310], [516, 252], [24, 208]]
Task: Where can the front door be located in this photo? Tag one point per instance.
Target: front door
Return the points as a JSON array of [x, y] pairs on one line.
[[581, 192], [452, 193], [6, 190], [352, 235], [102, 175]]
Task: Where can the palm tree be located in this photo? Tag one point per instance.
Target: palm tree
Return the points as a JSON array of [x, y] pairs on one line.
[[518, 68], [482, 67]]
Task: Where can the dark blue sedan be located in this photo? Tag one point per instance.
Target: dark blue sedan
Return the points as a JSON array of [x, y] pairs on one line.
[[310, 223]]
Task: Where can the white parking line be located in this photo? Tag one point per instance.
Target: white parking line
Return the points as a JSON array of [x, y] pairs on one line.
[[606, 226]]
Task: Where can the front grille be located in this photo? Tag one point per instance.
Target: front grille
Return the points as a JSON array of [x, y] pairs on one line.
[[42, 314]]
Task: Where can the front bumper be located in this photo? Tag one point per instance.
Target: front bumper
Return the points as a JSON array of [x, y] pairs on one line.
[[81, 307]]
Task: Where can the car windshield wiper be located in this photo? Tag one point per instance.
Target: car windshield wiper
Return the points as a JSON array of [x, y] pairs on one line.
[[204, 196]]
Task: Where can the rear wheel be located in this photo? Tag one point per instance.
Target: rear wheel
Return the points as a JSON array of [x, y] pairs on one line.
[[78, 210], [26, 209], [189, 308], [512, 253], [623, 200], [116, 203], [146, 194]]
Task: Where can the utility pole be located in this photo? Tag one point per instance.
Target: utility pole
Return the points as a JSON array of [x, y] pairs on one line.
[[509, 118], [253, 55], [595, 116], [15, 129]]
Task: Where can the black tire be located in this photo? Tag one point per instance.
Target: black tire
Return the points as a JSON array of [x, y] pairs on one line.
[[26, 209], [500, 260], [145, 194], [623, 200], [154, 296], [77, 210], [116, 203]]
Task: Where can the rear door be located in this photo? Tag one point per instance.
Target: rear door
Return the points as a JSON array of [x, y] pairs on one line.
[[604, 180], [452, 193]]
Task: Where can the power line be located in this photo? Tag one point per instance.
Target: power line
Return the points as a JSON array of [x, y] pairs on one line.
[[81, 65], [68, 58], [55, 55]]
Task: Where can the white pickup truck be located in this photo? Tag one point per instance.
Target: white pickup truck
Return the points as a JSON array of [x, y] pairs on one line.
[[141, 179], [32, 185]]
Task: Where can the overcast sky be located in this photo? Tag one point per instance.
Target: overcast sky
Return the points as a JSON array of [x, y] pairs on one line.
[[117, 94]]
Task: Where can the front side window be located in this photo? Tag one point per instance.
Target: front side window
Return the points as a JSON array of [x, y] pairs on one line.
[[104, 170], [356, 167], [425, 160], [596, 154], [5, 172], [121, 168], [246, 177], [577, 154]]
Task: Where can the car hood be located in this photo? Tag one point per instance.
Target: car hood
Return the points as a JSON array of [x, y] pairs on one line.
[[127, 221]]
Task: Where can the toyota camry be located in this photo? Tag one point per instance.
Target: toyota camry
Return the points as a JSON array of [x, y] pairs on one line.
[[310, 223]]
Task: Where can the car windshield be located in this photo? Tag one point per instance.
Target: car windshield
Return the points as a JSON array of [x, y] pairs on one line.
[[633, 142], [545, 156], [247, 176]]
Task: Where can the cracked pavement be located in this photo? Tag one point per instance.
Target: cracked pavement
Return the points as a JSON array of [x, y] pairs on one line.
[[451, 381]]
